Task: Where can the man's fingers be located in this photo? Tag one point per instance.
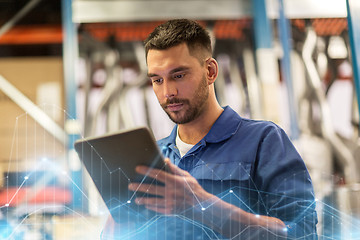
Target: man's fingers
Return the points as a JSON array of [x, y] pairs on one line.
[[153, 173], [161, 175], [175, 169], [147, 188], [159, 205]]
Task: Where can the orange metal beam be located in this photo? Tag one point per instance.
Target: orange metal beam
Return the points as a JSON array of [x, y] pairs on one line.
[[42, 34], [223, 29]]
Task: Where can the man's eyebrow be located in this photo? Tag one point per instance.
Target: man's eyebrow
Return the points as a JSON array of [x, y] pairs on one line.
[[152, 75], [178, 69]]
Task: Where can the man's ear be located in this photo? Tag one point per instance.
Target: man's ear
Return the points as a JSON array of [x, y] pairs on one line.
[[212, 70]]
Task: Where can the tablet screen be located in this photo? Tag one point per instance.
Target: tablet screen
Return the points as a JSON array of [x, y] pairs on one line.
[[111, 160]]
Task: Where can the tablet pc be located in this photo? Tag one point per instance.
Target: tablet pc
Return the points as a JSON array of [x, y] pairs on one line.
[[111, 160]]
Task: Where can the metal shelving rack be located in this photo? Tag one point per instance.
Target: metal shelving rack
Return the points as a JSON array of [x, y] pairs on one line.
[[85, 11]]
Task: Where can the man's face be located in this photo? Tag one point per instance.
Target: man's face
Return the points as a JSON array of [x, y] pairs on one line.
[[179, 82]]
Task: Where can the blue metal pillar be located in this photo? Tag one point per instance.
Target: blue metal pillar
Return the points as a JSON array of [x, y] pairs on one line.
[[353, 10], [262, 26], [267, 65], [285, 38], [70, 55]]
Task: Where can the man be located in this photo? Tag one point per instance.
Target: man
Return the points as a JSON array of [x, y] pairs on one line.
[[229, 177]]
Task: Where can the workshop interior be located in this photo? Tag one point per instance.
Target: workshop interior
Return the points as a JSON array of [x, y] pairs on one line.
[[71, 69]]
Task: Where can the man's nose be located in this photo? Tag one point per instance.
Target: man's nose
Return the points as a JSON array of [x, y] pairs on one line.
[[170, 89]]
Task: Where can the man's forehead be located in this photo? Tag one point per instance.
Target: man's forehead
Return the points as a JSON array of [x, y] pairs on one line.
[[169, 58], [177, 49]]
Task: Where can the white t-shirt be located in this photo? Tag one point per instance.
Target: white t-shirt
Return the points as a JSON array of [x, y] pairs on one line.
[[182, 146]]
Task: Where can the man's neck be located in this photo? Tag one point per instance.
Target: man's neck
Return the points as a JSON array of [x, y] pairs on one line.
[[195, 130]]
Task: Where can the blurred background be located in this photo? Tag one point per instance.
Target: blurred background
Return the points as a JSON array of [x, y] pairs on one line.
[[73, 69]]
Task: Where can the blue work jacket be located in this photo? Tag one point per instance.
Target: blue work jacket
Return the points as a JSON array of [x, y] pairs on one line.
[[257, 164], [250, 164]]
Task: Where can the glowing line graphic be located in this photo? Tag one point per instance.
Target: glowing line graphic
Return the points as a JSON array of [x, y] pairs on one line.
[[335, 215]]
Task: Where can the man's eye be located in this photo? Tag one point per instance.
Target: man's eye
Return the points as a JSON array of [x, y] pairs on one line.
[[179, 76], [157, 80]]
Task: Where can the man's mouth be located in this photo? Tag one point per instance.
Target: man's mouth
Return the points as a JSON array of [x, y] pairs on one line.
[[173, 107]]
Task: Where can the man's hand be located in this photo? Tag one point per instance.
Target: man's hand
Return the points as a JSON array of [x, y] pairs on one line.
[[180, 193]]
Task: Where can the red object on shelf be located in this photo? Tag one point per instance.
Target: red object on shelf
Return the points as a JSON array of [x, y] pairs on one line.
[[324, 26], [231, 29], [138, 31], [14, 196]]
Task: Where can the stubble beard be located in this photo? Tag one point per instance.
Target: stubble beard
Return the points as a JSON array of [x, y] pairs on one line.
[[192, 108]]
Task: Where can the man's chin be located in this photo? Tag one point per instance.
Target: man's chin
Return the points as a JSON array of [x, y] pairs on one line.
[[174, 116]]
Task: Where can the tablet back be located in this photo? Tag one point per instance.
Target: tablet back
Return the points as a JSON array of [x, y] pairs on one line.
[[111, 160]]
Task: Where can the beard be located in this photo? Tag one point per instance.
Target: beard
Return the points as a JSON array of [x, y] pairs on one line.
[[192, 108]]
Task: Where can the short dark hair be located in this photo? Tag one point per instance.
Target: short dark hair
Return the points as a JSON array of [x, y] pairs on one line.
[[177, 31]]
